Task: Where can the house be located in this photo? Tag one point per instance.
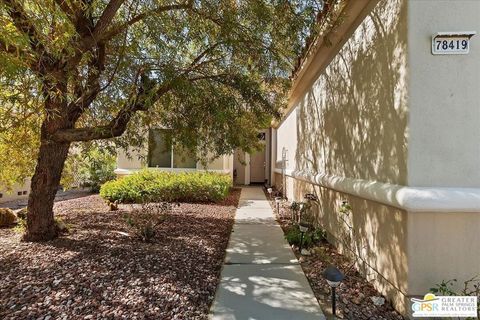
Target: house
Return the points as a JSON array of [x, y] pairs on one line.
[[19, 191], [384, 118], [244, 168], [382, 124]]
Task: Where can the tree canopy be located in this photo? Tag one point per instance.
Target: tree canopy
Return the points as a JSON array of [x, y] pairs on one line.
[[213, 71]]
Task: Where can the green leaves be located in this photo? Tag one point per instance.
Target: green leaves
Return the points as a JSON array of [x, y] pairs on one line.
[[213, 71], [161, 186]]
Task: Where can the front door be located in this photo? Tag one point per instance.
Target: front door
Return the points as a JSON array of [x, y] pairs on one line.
[[257, 167]]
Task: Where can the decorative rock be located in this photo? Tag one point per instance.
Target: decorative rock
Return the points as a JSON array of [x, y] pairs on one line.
[[306, 252], [378, 301]]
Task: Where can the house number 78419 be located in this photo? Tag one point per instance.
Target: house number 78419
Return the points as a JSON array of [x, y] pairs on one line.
[[445, 43]]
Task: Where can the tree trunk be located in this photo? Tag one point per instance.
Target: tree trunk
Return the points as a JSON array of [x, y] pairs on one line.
[[45, 183]]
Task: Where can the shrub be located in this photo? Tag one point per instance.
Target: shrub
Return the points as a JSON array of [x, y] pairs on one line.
[[311, 237], [162, 186], [144, 221], [90, 168], [471, 287], [7, 217], [97, 169]]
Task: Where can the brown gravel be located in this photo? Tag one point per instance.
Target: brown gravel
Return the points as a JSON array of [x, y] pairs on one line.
[[97, 272], [354, 293]]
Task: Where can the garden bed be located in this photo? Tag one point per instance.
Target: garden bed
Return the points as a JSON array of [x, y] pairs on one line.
[[98, 272], [354, 295]]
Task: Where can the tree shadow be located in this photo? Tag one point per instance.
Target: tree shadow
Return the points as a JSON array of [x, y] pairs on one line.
[[353, 123], [101, 271]]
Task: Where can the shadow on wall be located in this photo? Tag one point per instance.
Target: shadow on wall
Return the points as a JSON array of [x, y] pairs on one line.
[[371, 234], [353, 121]]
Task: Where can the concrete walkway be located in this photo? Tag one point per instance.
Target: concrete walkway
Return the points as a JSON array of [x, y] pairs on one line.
[[261, 278]]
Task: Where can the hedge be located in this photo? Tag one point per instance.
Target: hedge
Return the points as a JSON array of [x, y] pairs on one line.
[[168, 186]]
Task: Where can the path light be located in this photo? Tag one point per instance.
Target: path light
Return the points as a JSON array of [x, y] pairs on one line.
[[301, 208], [333, 277], [270, 190], [303, 228], [277, 202]]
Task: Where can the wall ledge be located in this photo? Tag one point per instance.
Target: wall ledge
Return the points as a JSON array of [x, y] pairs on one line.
[[411, 199]]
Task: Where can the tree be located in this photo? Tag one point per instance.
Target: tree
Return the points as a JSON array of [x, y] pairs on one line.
[[83, 70]]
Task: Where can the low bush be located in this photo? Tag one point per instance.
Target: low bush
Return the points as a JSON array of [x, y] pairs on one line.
[[311, 237], [89, 168], [162, 186], [145, 220], [7, 217]]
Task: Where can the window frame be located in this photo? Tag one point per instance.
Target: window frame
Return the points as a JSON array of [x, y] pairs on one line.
[[172, 152]]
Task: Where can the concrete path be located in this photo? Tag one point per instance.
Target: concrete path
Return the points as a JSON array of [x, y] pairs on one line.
[[261, 278]]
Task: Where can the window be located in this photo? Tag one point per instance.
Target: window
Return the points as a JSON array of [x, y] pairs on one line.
[[161, 155]]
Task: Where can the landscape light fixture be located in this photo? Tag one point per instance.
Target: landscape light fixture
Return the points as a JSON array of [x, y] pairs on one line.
[[303, 228], [277, 202], [333, 277], [270, 190]]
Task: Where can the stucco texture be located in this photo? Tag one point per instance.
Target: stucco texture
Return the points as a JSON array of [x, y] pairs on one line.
[[352, 121], [444, 97], [374, 235]]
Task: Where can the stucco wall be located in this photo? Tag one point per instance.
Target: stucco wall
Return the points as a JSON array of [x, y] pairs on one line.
[[13, 194], [442, 246], [352, 121], [374, 235], [136, 160], [444, 148], [385, 109]]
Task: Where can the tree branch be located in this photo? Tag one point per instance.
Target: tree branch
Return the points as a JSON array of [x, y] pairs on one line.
[[115, 30], [117, 126], [106, 18], [63, 5], [23, 23]]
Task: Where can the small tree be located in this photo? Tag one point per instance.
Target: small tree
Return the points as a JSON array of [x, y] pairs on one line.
[[81, 70]]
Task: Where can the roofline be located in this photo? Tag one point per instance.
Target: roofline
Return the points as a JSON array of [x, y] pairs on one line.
[[323, 51]]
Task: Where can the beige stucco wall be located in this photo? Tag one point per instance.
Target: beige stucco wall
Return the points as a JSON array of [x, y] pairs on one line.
[[134, 159], [352, 122], [356, 110], [240, 166], [377, 237], [13, 194], [444, 148], [442, 246], [385, 109]]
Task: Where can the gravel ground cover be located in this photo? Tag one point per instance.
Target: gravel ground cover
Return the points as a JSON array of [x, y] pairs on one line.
[[355, 293], [98, 272]]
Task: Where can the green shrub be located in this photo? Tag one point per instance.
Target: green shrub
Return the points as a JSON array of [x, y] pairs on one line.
[[163, 186], [471, 287], [98, 168], [89, 168], [7, 217], [311, 237]]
